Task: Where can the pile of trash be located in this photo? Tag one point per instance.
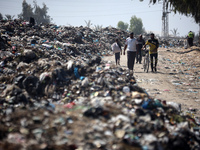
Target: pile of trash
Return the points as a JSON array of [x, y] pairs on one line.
[[57, 93], [73, 40]]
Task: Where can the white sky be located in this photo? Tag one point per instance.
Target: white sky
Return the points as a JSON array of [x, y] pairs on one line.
[[106, 12]]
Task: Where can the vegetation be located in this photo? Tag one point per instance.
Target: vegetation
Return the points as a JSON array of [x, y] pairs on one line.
[[9, 17], [88, 23], [136, 25], [175, 32], [123, 26], [186, 7], [1, 16], [98, 27], [38, 13]]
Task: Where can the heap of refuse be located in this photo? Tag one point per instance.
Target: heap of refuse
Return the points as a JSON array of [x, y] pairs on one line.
[[57, 93]]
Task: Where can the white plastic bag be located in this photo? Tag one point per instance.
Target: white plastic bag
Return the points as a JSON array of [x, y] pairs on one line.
[[115, 48]]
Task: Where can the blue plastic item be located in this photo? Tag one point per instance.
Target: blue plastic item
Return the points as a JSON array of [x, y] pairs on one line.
[[146, 104], [76, 73], [82, 77]]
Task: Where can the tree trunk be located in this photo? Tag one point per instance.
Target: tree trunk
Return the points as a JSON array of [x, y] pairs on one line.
[[199, 34]]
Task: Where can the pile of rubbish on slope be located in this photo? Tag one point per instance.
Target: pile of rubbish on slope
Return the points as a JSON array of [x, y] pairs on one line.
[[57, 93]]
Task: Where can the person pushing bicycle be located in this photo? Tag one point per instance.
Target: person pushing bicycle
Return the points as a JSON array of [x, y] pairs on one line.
[[153, 43]]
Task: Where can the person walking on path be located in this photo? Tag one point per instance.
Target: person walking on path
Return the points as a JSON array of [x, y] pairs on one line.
[[116, 48], [130, 46], [153, 43], [190, 38], [140, 43]]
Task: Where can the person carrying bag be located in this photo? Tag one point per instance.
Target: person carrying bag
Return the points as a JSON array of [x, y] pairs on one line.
[[116, 48]]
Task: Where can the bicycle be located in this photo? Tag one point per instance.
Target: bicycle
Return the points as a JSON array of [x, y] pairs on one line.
[[146, 61]]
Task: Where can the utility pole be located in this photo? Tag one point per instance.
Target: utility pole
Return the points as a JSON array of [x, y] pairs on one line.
[[165, 21]]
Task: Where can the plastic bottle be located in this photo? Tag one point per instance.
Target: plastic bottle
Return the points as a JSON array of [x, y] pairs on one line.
[[126, 89]]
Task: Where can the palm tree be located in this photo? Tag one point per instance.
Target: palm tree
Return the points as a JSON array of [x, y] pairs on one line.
[[9, 17], [98, 27], [88, 23], [175, 32]]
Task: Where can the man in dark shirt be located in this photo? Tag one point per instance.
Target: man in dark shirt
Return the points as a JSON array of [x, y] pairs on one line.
[[140, 44], [32, 21]]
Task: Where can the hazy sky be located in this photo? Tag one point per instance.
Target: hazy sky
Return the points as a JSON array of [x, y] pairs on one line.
[[105, 13]]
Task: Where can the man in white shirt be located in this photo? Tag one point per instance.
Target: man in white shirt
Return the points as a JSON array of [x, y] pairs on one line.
[[130, 45]]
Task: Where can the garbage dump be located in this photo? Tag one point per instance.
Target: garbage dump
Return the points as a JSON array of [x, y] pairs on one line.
[[56, 92]]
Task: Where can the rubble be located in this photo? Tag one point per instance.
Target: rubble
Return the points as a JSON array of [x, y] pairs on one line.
[[58, 93]]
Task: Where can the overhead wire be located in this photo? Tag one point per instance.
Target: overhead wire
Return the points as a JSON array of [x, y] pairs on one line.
[[107, 14], [77, 14]]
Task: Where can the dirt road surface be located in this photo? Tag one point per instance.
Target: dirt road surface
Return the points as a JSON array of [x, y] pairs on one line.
[[177, 78]]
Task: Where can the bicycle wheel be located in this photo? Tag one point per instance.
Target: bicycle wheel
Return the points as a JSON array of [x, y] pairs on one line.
[[144, 63], [147, 64]]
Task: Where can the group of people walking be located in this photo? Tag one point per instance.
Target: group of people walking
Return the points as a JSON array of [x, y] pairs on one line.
[[134, 49]]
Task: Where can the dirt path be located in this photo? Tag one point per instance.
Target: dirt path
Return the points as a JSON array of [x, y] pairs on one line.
[[171, 82]]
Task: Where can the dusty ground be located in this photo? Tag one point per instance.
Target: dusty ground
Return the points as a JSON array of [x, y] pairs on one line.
[[177, 78]]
